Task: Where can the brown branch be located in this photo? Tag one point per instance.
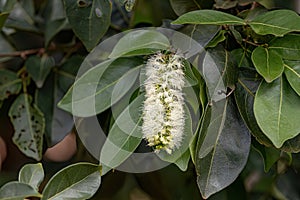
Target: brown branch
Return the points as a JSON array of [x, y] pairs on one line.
[[23, 54]]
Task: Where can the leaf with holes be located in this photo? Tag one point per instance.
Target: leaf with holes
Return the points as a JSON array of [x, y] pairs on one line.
[[29, 125], [89, 19], [277, 111], [292, 72], [39, 68], [17, 191], [276, 22], [124, 136], [222, 149], [211, 17], [32, 174], [268, 63], [77, 181], [9, 84]]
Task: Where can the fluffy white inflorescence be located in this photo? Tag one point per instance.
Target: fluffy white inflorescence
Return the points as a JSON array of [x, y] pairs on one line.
[[163, 114]]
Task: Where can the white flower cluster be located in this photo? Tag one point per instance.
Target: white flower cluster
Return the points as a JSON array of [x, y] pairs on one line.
[[163, 114]]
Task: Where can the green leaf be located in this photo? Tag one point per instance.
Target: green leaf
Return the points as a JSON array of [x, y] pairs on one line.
[[89, 19], [124, 136], [58, 122], [32, 174], [270, 155], [21, 19], [39, 68], [220, 37], [181, 156], [268, 63], [288, 47], [5, 48], [3, 17], [17, 191], [91, 93], [54, 27], [9, 84], [244, 94], [29, 125], [77, 181], [140, 42], [277, 111], [276, 22], [222, 149], [292, 72], [211, 17], [183, 6]]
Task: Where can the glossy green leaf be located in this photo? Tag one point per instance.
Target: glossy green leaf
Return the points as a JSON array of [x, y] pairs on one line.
[[268, 63], [288, 47], [124, 136], [9, 83], [29, 125], [276, 22], [91, 93], [277, 110], [32, 174], [140, 42], [292, 72], [77, 181], [244, 94], [89, 19], [39, 68], [222, 149], [17, 191], [211, 17], [181, 156]]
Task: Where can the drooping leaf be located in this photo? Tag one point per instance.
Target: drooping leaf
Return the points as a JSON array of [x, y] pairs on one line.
[[89, 19], [91, 93], [29, 125], [9, 84], [39, 68], [244, 94], [54, 27], [124, 136], [17, 191], [277, 110], [77, 181], [288, 47], [140, 42], [58, 122], [220, 37], [268, 63], [222, 149], [20, 18], [181, 156], [211, 17], [276, 22], [292, 72], [56, 19], [32, 174]]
